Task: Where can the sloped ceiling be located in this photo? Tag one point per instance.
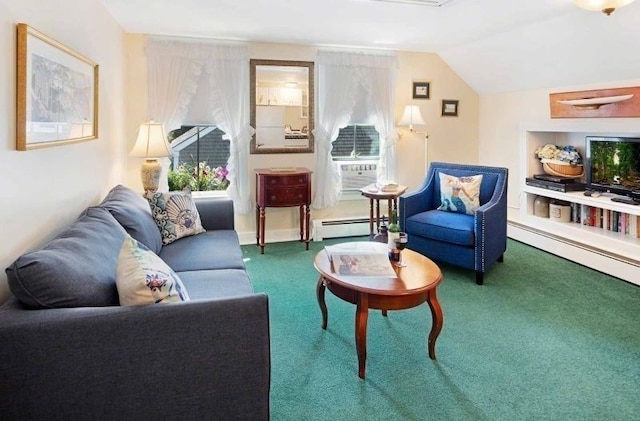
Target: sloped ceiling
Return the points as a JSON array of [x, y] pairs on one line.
[[494, 45]]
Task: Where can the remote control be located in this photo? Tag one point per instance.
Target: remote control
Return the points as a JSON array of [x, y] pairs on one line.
[[624, 199]]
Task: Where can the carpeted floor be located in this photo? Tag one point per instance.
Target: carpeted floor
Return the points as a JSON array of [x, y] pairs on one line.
[[543, 339]]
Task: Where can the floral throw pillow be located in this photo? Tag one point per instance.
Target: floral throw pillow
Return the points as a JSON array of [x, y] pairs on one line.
[[460, 194], [144, 278], [175, 214]]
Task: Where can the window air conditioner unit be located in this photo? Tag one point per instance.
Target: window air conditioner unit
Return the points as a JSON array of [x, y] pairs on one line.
[[357, 174]]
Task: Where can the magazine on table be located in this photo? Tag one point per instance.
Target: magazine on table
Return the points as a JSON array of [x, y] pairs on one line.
[[360, 259]]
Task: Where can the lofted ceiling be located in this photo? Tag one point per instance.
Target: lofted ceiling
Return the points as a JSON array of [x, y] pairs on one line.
[[494, 45]]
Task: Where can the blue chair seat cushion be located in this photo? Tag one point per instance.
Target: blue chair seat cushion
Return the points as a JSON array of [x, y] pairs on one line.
[[449, 227]]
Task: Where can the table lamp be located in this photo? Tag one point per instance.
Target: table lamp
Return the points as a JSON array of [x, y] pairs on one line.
[[151, 144]]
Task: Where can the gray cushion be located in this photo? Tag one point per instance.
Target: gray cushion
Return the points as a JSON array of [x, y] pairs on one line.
[[220, 283], [76, 269], [132, 211], [218, 249]]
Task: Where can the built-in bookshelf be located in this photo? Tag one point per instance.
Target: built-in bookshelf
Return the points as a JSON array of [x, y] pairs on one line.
[[601, 233]]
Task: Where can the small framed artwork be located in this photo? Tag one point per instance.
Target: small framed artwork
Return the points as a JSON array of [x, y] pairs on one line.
[[57, 93], [421, 90], [450, 108]]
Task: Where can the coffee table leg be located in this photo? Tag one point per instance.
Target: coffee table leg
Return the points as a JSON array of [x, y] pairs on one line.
[[437, 319], [323, 306], [362, 313]]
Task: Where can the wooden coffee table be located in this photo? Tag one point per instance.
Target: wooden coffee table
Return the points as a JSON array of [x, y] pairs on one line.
[[412, 286]]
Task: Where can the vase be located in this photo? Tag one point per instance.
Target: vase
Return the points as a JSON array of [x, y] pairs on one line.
[[541, 206]]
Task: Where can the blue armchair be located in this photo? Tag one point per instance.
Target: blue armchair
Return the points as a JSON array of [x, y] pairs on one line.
[[471, 241]]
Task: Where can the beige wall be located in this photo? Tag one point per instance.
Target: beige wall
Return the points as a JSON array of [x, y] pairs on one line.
[[42, 191], [503, 116], [450, 138]]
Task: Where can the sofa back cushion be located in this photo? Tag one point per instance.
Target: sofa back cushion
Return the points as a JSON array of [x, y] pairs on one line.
[[76, 269], [132, 211]]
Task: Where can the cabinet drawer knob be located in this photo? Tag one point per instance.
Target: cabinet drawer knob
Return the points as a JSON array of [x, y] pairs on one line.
[[274, 181], [273, 197]]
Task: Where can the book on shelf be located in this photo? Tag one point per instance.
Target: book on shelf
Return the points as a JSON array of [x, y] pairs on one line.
[[360, 259], [607, 219]]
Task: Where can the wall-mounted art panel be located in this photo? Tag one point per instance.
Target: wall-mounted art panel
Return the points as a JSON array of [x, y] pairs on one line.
[[603, 103]]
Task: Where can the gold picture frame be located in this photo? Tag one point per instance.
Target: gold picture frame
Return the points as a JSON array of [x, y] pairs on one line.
[[57, 93]]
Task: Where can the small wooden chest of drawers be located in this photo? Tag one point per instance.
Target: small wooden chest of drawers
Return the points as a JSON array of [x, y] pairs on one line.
[[283, 188]]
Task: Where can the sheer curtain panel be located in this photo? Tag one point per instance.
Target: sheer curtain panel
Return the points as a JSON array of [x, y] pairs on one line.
[[342, 76], [219, 74]]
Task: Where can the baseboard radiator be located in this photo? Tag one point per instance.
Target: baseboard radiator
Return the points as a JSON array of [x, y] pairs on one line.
[[339, 227]]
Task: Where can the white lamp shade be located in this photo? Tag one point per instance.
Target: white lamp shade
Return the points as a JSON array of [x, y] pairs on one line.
[[151, 142], [601, 5], [411, 116]]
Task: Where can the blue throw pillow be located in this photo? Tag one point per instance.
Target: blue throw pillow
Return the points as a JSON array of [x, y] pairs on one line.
[[175, 214]]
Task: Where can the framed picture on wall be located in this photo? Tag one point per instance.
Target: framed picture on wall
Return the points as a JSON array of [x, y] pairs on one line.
[[450, 108], [421, 90], [57, 93]]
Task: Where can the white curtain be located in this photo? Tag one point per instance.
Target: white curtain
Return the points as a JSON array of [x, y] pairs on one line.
[[341, 75], [381, 90], [336, 98], [220, 76], [228, 68], [173, 72]]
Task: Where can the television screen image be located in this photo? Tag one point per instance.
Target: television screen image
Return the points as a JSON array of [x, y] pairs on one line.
[[613, 164]]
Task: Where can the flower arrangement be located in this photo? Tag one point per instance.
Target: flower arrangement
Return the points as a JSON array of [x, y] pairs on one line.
[[200, 178], [565, 154], [562, 161]]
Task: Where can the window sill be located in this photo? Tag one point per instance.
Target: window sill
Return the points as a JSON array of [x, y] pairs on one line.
[[210, 193]]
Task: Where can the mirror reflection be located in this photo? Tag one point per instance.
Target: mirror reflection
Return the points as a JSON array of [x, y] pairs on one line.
[[282, 106]]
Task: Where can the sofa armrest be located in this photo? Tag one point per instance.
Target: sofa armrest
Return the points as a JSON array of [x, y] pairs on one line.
[[491, 227], [417, 201], [216, 213], [195, 360]]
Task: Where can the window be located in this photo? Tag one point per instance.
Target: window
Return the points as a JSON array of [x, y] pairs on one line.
[[199, 161], [357, 141]]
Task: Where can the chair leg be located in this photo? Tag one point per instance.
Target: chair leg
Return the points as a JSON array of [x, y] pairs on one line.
[[501, 258], [479, 277]]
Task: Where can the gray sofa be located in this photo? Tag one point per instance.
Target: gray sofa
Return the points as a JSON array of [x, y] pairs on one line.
[[69, 351]]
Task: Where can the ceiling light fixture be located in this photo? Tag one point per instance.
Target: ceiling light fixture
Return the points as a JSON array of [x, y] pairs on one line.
[[605, 6]]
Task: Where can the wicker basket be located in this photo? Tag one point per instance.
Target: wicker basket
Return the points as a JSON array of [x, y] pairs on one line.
[[562, 169]]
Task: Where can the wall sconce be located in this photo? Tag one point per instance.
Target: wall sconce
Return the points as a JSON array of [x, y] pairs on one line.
[[151, 144], [605, 6], [412, 116]]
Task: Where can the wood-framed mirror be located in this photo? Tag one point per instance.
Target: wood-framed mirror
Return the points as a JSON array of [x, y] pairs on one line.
[[282, 106]]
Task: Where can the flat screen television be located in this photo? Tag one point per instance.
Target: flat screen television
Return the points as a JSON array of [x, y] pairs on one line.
[[613, 165]]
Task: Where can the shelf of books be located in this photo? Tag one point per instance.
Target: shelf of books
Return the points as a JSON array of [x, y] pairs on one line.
[[595, 222]]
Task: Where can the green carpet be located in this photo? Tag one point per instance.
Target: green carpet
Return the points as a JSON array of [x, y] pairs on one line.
[[543, 339]]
